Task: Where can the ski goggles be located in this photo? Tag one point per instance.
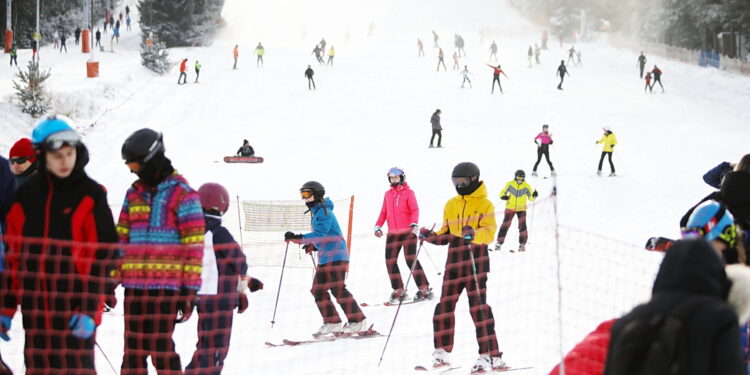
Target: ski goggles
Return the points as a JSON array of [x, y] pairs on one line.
[[20, 160], [61, 139], [461, 181], [728, 235], [306, 193]]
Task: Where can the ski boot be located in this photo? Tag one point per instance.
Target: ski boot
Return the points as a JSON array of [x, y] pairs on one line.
[[440, 358], [498, 246], [612, 174], [328, 328], [599, 173], [553, 174], [423, 295], [534, 174], [397, 296], [485, 363], [521, 248], [356, 327]]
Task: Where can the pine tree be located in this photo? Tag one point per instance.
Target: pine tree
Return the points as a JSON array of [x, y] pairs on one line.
[[31, 93], [155, 57], [180, 23]]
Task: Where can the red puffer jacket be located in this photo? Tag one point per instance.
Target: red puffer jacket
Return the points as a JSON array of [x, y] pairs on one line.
[[589, 355]]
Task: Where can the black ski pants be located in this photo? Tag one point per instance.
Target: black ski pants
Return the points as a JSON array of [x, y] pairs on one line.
[[149, 324], [393, 244], [311, 84], [562, 78], [496, 78], [332, 277], [523, 234], [466, 79], [658, 80], [543, 150], [601, 161], [440, 61], [642, 66], [180, 78], [197, 74], [54, 350], [259, 61], [13, 58], [440, 137]]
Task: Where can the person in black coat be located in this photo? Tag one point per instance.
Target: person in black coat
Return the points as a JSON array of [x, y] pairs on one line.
[[246, 149], [60, 287], [733, 182], [310, 81], [7, 189], [692, 269]]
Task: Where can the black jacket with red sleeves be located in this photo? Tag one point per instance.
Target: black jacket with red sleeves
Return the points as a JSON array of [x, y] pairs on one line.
[[67, 277]]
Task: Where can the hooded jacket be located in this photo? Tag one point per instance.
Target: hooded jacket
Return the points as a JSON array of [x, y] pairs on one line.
[[399, 209], [518, 194], [693, 269], [326, 234], [735, 192]]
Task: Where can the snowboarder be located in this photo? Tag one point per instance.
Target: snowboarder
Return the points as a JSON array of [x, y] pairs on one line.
[[468, 227], [543, 140], [466, 74], [13, 54], [183, 72], [496, 77], [331, 54], [330, 272], [641, 63], [98, 37], [309, 73], [77, 34], [198, 67], [455, 62], [246, 149], [401, 212], [441, 60], [259, 51], [493, 51], [23, 160], [609, 140], [562, 71], [571, 55], [236, 55], [657, 77], [160, 211], [63, 38], [224, 285], [435, 38], [420, 45], [530, 54], [58, 288], [648, 87], [436, 128], [515, 193]]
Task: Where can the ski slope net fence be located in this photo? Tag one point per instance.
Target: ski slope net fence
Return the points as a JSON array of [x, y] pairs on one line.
[[533, 306]]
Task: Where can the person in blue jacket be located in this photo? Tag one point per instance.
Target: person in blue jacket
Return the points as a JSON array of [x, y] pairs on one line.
[[333, 258], [224, 285]]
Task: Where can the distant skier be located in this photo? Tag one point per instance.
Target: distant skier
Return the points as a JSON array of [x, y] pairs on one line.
[[322, 45], [562, 71], [537, 53], [56, 40], [455, 62], [571, 55], [648, 87], [127, 10], [183, 72], [128, 22], [435, 38], [246, 150], [63, 39], [641, 63], [609, 140], [259, 51], [331, 55], [77, 34], [13, 54], [496, 77], [466, 74], [657, 77], [317, 51], [515, 193], [333, 261], [493, 51], [420, 45], [530, 54], [578, 58], [543, 140], [236, 55], [98, 37], [441, 57], [198, 67], [545, 38], [436, 128], [460, 45], [309, 73]]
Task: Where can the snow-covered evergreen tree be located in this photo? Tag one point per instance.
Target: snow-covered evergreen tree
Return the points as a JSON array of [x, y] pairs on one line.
[[155, 57], [180, 22], [31, 94]]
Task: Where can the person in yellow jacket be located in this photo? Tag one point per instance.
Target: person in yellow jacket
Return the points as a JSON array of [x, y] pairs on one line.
[[331, 54], [260, 51], [468, 227], [609, 140], [515, 193]]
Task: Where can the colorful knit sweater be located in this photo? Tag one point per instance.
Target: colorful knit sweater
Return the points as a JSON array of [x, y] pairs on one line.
[[169, 221]]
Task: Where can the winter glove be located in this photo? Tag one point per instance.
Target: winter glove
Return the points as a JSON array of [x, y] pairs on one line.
[[185, 305], [425, 234], [249, 283], [611, 145], [309, 248], [378, 231], [505, 197], [467, 233], [551, 141], [5, 327], [255, 285], [535, 194], [414, 228], [291, 237], [242, 303], [82, 326]]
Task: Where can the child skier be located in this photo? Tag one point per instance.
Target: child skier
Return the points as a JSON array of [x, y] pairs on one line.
[[648, 83], [515, 193], [466, 74]]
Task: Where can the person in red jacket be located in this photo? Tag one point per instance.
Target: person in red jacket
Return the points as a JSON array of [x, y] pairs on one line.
[[401, 211], [589, 355], [235, 54], [496, 77], [183, 72], [648, 83]]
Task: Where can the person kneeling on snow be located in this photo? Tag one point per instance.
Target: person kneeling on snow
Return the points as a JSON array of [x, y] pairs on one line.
[[246, 149]]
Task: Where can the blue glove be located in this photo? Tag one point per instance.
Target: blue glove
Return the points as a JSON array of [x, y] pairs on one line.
[[82, 326], [5, 327], [467, 232]]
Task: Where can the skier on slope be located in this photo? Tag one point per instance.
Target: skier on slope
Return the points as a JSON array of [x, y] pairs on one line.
[[259, 51], [235, 55], [198, 67], [493, 51], [571, 55], [562, 71], [246, 150], [537, 53], [543, 140], [77, 34], [515, 193], [420, 46], [435, 38], [223, 288], [98, 37], [530, 54], [496, 78], [468, 227], [437, 128], [609, 141], [648, 86], [441, 60], [641, 63], [455, 66], [657, 77], [183, 72], [466, 74], [401, 212], [331, 55], [330, 273], [309, 73]]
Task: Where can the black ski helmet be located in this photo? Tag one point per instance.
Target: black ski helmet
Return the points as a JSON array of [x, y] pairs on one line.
[[520, 173], [317, 188], [466, 169], [142, 146]]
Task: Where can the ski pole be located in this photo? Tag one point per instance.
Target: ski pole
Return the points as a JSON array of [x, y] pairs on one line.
[[106, 358], [276, 305], [479, 292], [531, 226], [432, 262]]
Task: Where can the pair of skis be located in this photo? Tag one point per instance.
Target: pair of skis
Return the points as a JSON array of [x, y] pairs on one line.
[[445, 370], [370, 333]]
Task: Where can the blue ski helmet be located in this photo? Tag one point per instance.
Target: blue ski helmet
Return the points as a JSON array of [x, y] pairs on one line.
[[712, 221], [56, 131], [396, 171]]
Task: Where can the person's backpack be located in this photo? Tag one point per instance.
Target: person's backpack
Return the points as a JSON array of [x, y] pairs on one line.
[[654, 344]]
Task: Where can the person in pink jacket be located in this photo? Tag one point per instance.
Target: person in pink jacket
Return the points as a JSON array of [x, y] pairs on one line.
[[401, 211], [543, 140]]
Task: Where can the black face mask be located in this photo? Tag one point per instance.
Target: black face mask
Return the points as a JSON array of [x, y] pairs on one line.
[[311, 204], [155, 171], [468, 189]]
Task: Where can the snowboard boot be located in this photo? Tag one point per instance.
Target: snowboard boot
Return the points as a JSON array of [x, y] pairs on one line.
[[440, 358], [423, 295]]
